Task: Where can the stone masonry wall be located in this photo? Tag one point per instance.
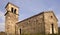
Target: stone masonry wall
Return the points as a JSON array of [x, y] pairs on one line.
[[32, 25], [10, 23], [49, 19]]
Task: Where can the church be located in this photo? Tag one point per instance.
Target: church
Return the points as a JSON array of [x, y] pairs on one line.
[[42, 23]]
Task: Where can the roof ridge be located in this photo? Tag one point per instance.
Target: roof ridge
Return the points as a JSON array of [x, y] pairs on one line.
[[12, 4]]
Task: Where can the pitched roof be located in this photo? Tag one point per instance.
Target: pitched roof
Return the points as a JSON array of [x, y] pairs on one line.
[[11, 4], [53, 14], [40, 14], [31, 17]]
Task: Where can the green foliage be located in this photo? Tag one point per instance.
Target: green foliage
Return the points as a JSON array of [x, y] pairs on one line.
[[39, 34], [32, 34], [3, 33]]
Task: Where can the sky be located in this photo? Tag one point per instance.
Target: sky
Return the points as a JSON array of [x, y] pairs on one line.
[[28, 8]]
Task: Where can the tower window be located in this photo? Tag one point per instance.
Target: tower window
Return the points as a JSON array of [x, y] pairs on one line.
[[15, 11], [12, 9]]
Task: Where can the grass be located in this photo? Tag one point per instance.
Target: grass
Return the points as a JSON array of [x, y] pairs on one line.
[[31, 34], [3, 33]]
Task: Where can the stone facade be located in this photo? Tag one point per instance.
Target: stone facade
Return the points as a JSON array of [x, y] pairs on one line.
[[33, 24], [50, 19], [11, 18], [42, 23]]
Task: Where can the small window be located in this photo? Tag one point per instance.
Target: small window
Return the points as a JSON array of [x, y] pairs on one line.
[[12, 9], [15, 11], [36, 20], [51, 16]]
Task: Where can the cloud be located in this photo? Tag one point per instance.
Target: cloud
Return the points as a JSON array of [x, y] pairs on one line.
[[2, 24], [2, 27], [1, 16]]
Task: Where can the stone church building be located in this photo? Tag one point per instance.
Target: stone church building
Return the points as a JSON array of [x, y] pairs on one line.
[[42, 23]]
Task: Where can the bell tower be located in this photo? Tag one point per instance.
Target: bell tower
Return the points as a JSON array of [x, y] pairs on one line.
[[11, 18]]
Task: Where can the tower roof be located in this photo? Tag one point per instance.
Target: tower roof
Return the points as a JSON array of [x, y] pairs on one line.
[[11, 4]]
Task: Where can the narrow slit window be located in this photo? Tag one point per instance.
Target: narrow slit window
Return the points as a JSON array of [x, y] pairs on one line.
[[20, 31], [52, 28], [15, 11], [12, 9]]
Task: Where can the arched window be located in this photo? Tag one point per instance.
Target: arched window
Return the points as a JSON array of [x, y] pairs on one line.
[[12, 9], [15, 11]]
